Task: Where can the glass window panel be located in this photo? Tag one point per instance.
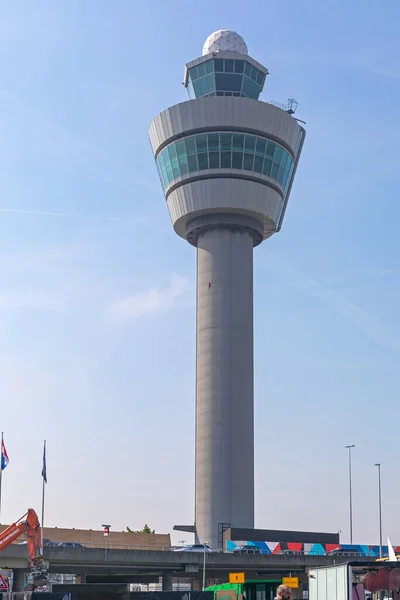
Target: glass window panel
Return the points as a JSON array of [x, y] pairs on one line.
[[281, 173], [220, 93], [253, 74], [258, 163], [285, 180], [190, 145], [289, 165], [235, 94], [180, 148], [164, 179], [212, 94], [168, 172], [166, 156], [226, 141], [228, 82], [209, 66], [191, 90], [228, 65], [237, 160], [270, 148], [192, 162], [225, 160], [250, 143], [175, 169], [267, 167], [238, 140], [210, 83], [201, 142], [239, 66], [193, 73], [250, 88], [278, 154], [160, 161], [247, 68], [274, 171], [172, 152], [260, 146], [284, 158], [203, 161], [204, 86], [184, 167], [213, 142], [201, 68], [218, 65], [229, 94], [260, 77], [214, 160], [248, 162], [198, 88]]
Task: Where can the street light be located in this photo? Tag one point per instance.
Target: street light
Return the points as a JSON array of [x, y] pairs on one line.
[[380, 508], [204, 565], [106, 531], [351, 498]]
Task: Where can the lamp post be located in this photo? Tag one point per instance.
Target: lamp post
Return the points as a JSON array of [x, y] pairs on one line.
[[350, 492], [106, 531], [380, 508], [204, 565]]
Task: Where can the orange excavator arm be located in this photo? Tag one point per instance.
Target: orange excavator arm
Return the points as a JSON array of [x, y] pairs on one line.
[[34, 535], [29, 525], [14, 531]]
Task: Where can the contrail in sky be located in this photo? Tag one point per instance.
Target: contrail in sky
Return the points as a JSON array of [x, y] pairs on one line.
[[56, 214]]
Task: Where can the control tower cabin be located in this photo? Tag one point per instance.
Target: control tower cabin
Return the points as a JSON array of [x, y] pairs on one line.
[[227, 162]]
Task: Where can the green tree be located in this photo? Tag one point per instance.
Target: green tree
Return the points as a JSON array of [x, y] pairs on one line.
[[146, 529]]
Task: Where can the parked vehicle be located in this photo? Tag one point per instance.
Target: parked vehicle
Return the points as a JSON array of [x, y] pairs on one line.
[[195, 548], [70, 545]]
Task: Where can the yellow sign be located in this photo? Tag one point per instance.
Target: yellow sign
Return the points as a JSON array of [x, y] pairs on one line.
[[292, 582], [236, 577]]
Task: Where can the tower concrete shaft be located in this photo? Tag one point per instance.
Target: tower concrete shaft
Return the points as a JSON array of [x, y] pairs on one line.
[[224, 382], [227, 164]]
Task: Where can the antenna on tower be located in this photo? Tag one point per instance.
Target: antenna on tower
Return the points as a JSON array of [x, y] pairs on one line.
[[290, 107]]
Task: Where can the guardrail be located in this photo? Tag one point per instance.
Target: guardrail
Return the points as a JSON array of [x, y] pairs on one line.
[[149, 547]]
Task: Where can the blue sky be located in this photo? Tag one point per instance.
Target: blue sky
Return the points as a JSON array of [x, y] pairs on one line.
[[97, 304]]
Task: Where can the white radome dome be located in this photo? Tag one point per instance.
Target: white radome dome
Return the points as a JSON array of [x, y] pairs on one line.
[[224, 39]]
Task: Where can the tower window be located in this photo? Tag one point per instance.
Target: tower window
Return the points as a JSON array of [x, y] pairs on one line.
[[225, 150]]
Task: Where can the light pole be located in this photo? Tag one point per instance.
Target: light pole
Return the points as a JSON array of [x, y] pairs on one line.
[[380, 508], [106, 531], [204, 565], [351, 497]]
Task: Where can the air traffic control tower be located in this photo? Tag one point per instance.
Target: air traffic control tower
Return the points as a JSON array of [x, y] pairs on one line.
[[227, 162]]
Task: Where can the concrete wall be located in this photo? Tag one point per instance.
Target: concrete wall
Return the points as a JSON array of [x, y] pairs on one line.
[[224, 393], [116, 539]]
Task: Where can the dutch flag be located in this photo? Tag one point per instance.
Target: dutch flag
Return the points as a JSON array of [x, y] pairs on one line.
[[4, 456]]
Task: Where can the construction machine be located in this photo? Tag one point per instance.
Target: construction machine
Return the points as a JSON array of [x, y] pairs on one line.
[[29, 526]]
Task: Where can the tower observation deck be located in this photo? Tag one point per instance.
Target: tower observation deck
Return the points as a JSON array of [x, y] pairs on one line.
[[227, 162]]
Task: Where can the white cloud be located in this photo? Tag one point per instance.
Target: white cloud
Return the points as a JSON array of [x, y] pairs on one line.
[[152, 300]]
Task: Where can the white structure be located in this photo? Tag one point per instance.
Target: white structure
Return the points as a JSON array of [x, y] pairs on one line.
[[224, 39], [227, 163]]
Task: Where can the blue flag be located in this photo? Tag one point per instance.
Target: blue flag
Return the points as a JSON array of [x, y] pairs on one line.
[[44, 469]]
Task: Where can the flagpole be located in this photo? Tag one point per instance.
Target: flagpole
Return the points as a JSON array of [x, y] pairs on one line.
[[43, 487], [1, 469]]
